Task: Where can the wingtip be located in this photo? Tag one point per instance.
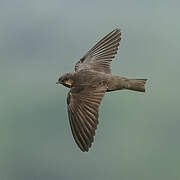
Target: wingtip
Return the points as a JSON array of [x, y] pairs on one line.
[[117, 29], [84, 149]]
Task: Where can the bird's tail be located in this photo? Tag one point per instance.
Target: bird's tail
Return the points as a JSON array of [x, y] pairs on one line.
[[136, 84]]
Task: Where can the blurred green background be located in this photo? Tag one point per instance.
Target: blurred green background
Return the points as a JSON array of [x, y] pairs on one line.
[[138, 134]]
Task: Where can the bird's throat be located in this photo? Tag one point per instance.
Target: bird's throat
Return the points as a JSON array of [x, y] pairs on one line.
[[68, 83]]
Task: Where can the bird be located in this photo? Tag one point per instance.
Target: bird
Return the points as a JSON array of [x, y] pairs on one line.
[[88, 84]]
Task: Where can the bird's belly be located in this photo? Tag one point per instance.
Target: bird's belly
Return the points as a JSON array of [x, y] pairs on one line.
[[115, 83], [90, 78]]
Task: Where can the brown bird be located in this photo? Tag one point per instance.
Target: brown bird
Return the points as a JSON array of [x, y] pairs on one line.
[[88, 84]]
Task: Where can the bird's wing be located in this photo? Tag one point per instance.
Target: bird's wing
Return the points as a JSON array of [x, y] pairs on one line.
[[99, 57], [83, 104]]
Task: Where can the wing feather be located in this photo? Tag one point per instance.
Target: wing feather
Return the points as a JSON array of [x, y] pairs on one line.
[[83, 113], [99, 57], [75, 132]]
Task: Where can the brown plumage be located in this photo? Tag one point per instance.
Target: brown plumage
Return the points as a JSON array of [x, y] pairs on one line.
[[88, 84]]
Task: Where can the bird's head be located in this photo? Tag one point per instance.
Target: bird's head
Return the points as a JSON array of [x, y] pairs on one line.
[[66, 80]]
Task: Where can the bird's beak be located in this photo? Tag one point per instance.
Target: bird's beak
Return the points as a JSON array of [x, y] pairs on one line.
[[57, 82]]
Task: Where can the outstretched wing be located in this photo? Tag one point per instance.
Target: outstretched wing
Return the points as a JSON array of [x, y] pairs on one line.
[[83, 104], [99, 57]]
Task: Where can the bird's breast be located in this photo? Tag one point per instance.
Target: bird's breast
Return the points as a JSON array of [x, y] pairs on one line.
[[89, 78]]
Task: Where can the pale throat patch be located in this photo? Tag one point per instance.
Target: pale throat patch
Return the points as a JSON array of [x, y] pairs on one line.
[[68, 82]]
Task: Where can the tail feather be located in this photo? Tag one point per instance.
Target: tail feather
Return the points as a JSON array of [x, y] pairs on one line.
[[136, 84]]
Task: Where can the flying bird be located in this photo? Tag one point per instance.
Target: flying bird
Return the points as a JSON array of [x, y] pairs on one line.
[[88, 84]]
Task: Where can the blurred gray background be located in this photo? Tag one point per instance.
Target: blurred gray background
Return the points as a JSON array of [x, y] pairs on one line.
[[138, 134]]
